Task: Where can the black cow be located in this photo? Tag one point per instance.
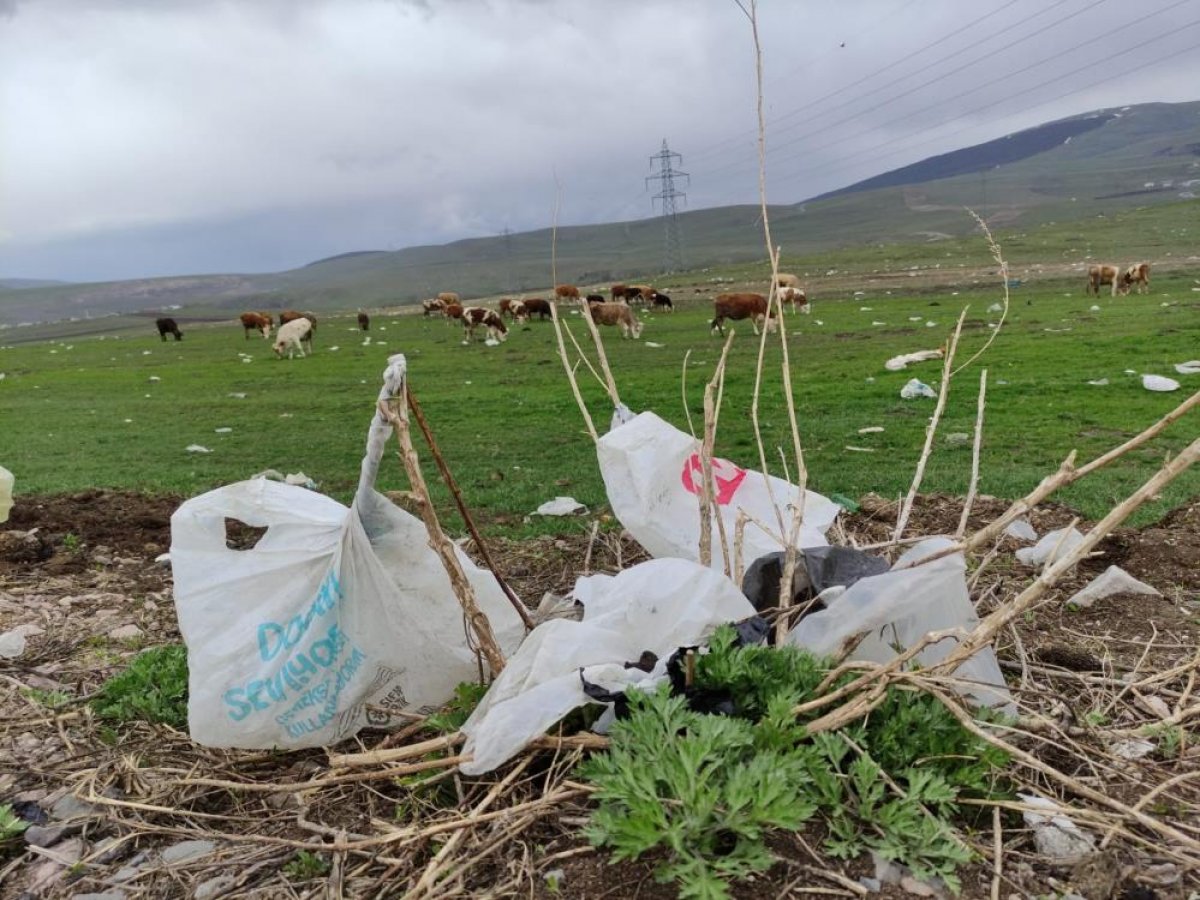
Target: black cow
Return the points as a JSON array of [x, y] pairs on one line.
[[167, 326]]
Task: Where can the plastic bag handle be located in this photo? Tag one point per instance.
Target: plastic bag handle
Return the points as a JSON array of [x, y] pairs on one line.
[[394, 380]]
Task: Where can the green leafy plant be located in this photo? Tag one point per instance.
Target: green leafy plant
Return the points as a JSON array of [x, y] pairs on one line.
[[452, 716], [306, 866], [48, 699], [71, 542], [154, 688], [11, 825], [707, 789]]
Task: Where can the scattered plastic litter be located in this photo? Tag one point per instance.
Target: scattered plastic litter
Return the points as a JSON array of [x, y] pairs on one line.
[[1054, 835], [896, 363], [1191, 367], [995, 307], [1113, 580], [1131, 748], [1099, 382], [859, 449], [864, 309], [12, 643], [878, 323], [958, 438], [871, 429], [656, 606], [491, 342], [197, 448], [237, 395], [897, 608], [1130, 372], [652, 344], [1021, 530], [916, 388], [931, 324], [817, 570], [6, 493], [1051, 548], [334, 349], [154, 378], [1159, 383], [560, 506], [222, 430], [1093, 308], [652, 474]]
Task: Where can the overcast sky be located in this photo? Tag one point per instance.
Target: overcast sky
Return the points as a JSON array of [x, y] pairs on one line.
[[157, 137]]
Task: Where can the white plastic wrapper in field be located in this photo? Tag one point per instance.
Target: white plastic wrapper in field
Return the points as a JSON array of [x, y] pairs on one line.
[[652, 474], [659, 606], [900, 607], [331, 611]]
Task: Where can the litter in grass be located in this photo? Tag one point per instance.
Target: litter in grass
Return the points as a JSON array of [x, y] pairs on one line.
[[1099, 382], [896, 363], [561, 506], [1114, 580], [1159, 383], [1192, 367], [1051, 548], [916, 388], [222, 430], [197, 448], [871, 429], [652, 344], [859, 449], [1055, 836], [1021, 530]]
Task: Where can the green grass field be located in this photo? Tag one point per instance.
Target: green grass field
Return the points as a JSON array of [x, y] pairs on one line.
[[119, 410]]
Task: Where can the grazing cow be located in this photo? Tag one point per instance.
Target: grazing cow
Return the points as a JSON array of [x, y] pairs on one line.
[[256, 321], [433, 306], [364, 321], [506, 306], [538, 306], [449, 297], [618, 291], [1099, 275], [1139, 274], [566, 292], [595, 298], [290, 315], [786, 280], [167, 326], [794, 297], [293, 336], [618, 314], [474, 316], [517, 310], [453, 311], [741, 306], [664, 301], [639, 293]]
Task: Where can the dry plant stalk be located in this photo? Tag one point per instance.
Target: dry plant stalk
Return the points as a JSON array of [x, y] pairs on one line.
[[930, 430], [708, 492], [395, 412], [974, 485], [998, 256], [562, 354]]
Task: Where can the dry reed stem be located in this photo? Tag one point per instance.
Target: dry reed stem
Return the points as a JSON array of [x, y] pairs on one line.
[[975, 447], [452, 485], [1000, 261], [601, 356], [930, 430], [687, 413], [707, 494], [583, 356], [395, 412], [562, 354]]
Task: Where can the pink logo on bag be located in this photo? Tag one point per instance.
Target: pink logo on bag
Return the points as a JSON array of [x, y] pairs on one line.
[[726, 476]]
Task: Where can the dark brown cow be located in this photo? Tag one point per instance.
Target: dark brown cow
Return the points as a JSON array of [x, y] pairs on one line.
[[290, 315], [566, 292], [256, 321], [662, 300], [167, 326], [618, 291], [740, 306], [635, 293], [364, 321], [618, 314], [453, 310], [474, 316], [595, 298], [1139, 274], [536, 306], [1099, 275]]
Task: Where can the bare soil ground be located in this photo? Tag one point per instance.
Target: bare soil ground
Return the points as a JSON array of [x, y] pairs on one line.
[[81, 569]]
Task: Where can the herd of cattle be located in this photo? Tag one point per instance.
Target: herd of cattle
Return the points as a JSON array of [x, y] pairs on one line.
[[295, 332]]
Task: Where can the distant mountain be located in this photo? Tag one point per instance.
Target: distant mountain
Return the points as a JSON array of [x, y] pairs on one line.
[[1066, 170], [16, 284]]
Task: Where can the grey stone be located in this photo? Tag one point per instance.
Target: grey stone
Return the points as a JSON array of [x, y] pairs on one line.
[[917, 887], [48, 835], [874, 885], [126, 873], [109, 850], [214, 887], [71, 807], [125, 632], [186, 851]]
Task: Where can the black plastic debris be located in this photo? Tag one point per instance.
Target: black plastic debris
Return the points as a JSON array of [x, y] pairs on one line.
[[817, 568]]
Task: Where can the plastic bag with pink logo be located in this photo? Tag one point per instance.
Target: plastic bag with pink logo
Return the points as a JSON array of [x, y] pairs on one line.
[[652, 475]]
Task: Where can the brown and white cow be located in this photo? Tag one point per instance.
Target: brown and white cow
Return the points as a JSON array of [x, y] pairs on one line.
[[433, 307], [1139, 274], [741, 306], [786, 280], [535, 306], [566, 292], [1102, 274], [618, 314], [256, 321], [639, 293], [474, 316], [506, 306], [794, 296], [290, 315]]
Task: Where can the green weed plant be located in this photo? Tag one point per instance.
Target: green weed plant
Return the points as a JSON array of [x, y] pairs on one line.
[[708, 790], [154, 688]]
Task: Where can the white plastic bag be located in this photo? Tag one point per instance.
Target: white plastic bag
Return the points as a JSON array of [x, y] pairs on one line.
[[6, 488], [900, 607], [658, 606], [916, 388], [652, 474], [333, 609]]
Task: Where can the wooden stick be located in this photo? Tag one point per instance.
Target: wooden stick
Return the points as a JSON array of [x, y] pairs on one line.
[[562, 354], [448, 480], [610, 382], [930, 430], [962, 523], [395, 411]]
